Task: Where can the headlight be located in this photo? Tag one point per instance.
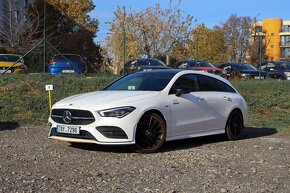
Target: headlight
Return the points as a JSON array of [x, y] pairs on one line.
[[244, 75], [119, 112], [21, 67]]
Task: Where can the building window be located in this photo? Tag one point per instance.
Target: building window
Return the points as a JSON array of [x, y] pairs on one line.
[[285, 40], [285, 53], [258, 29], [272, 34], [16, 15], [25, 3], [286, 28]]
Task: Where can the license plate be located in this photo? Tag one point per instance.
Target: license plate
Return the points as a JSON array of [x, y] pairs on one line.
[[259, 77], [68, 129], [68, 71], [1, 71]]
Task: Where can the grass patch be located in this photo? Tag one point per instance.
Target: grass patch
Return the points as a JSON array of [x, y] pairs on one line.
[[25, 101], [268, 102]]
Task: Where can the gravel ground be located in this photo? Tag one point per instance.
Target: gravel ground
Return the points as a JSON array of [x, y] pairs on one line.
[[260, 162]]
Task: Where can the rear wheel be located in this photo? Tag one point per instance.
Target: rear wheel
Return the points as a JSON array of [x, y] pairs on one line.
[[150, 133], [235, 126]]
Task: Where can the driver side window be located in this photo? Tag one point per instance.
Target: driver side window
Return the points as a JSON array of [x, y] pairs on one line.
[[188, 82]]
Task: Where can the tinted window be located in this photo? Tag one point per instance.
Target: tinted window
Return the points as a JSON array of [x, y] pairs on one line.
[[223, 87], [193, 63], [74, 58], [9, 58], [146, 81], [150, 62], [188, 81], [207, 83]]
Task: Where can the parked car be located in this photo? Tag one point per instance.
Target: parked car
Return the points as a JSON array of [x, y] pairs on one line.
[[67, 64], [278, 70], [143, 64], [242, 70], [150, 107], [202, 65], [7, 60]]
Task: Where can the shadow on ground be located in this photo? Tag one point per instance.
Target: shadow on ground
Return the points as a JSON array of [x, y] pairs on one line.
[[249, 133], [8, 126]]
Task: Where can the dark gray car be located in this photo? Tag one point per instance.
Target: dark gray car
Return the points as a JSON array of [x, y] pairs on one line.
[[143, 64]]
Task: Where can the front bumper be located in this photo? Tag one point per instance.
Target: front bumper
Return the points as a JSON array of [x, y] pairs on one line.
[[104, 131]]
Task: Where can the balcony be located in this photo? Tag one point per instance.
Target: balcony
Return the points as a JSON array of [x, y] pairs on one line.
[[284, 33], [259, 34], [285, 44]]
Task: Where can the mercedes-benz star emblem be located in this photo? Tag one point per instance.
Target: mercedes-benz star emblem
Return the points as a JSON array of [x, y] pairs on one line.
[[67, 117]]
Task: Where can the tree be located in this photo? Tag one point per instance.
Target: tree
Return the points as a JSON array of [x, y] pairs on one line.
[[211, 44], [18, 33], [237, 34], [257, 45], [70, 28], [152, 32]]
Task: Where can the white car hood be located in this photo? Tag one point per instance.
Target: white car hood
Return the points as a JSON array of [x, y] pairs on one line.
[[104, 99]]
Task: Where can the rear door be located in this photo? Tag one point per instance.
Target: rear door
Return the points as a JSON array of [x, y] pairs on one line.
[[218, 97]]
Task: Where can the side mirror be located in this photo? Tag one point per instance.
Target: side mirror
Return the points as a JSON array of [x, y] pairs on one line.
[[181, 91]]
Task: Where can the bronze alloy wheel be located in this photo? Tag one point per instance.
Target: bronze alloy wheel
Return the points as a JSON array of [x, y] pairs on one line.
[[150, 133], [235, 125]]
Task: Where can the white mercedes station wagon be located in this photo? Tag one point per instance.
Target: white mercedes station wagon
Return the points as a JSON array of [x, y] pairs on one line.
[[149, 108]]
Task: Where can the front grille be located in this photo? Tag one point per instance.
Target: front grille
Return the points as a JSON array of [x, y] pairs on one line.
[[79, 117], [83, 135]]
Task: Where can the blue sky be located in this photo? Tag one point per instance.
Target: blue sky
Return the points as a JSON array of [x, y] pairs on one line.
[[209, 12]]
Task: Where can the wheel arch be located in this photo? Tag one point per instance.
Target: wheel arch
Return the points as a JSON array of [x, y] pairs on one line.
[[238, 110], [150, 111]]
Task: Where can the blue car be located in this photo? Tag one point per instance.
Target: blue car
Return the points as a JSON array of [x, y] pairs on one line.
[[67, 64]]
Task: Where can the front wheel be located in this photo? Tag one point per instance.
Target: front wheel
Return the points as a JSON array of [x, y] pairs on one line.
[[150, 133], [235, 126]]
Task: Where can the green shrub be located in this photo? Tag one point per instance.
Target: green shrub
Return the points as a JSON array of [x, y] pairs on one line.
[[25, 101]]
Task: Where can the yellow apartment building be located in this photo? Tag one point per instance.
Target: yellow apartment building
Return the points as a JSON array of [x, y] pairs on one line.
[[276, 36]]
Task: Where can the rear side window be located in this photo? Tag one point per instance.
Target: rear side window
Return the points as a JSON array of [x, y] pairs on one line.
[[207, 83]]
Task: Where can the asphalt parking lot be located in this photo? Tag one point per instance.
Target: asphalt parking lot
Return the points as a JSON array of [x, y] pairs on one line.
[[260, 162]]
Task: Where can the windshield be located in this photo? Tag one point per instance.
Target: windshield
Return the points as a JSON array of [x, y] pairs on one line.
[[145, 81], [9, 58], [285, 65], [150, 62], [201, 64], [244, 67]]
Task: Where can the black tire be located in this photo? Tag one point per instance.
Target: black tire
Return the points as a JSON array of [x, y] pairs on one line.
[[235, 126], [150, 133]]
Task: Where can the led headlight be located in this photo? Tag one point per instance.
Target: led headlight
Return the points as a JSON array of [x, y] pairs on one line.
[[244, 75], [21, 67], [119, 112]]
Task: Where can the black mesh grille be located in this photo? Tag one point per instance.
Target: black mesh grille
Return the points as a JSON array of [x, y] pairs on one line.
[[112, 132], [83, 135], [79, 117]]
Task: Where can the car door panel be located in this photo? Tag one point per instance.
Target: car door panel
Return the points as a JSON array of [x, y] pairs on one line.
[[188, 114]]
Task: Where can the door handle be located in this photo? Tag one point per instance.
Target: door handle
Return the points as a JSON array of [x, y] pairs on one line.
[[199, 99], [228, 99]]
